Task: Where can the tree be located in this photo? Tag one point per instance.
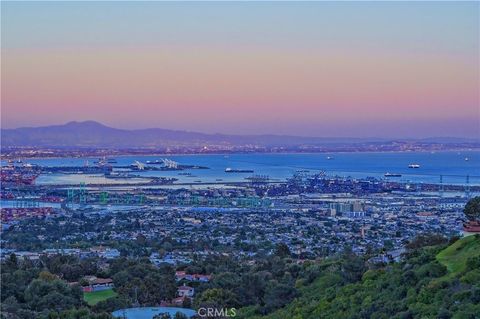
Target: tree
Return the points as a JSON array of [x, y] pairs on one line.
[[52, 295], [12, 261], [473, 263], [282, 250], [352, 267], [187, 303], [217, 298], [180, 315], [426, 240], [472, 208], [146, 283], [46, 276], [10, 305], [141, 239], [111, 304], [278, 295]]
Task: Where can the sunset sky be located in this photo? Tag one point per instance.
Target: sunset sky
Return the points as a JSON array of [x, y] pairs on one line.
[[386, 69]]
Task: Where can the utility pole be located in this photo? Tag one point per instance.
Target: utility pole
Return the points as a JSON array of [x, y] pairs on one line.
[[441, 186], [467, 187]]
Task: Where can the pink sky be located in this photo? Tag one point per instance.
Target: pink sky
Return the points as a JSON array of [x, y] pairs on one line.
[[333, 90]]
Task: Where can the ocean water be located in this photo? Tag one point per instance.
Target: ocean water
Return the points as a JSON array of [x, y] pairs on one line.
[[452, 165]]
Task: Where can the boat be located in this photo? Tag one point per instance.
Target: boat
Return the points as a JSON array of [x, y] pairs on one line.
[[329, 157], [466, 159], [28, 165], [392, 175], [413, 165], [232, 170], [105, 161], [300, 171], [156, 162]]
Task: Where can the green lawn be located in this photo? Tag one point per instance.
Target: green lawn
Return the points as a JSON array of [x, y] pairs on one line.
[[93, 298], [455, 256]]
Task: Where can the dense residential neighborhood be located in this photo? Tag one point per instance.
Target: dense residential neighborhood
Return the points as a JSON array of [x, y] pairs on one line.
[[199, 248]]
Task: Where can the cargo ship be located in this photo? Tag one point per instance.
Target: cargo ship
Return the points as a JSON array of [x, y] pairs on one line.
[[413, 165], [232, 170], [155, 162], [392, 175], [105, 161], [77, 169]]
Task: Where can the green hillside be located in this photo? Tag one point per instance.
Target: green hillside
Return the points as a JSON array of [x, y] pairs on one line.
[[432, 282], [455, 256]]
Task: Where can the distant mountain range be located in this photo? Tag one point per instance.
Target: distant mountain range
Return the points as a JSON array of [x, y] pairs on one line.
[[96, 135]]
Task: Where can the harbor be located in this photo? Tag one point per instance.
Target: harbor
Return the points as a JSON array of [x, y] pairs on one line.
[[236, 181], [434, 168]]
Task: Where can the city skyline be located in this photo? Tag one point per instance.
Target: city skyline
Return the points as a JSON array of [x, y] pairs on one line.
[[305, 69]]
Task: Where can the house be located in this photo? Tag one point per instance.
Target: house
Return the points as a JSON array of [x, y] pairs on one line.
[[395, 254], [179, 301], [202, 278], [175, 302], [97, 284], [185, 291], [182, 275], [110, 253], [105, 252], [168, 259], [27, 255], [179, 275], [472, 227]]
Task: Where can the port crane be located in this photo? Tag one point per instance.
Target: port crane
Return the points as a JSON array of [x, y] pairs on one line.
[[169, 163]]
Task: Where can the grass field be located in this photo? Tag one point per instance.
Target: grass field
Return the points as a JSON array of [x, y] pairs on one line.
[[93, 298], [455, 256]]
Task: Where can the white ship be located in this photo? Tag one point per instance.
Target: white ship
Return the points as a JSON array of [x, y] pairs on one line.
[[414, 166]]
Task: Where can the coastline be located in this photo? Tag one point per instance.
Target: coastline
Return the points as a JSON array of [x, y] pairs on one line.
[[2, 156]]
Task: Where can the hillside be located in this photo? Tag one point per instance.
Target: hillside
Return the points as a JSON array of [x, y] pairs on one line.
[[455, 256], [432, 282], [91, 134], [94, 134]]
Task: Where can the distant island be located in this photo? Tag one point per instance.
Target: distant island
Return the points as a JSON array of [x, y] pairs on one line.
[[93, 138]]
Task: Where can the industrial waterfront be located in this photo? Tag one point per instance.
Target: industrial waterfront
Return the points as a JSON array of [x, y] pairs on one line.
[[452, 165], [265, 183]]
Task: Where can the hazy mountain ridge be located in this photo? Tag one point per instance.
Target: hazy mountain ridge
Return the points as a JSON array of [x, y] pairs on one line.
[[94, 134]]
